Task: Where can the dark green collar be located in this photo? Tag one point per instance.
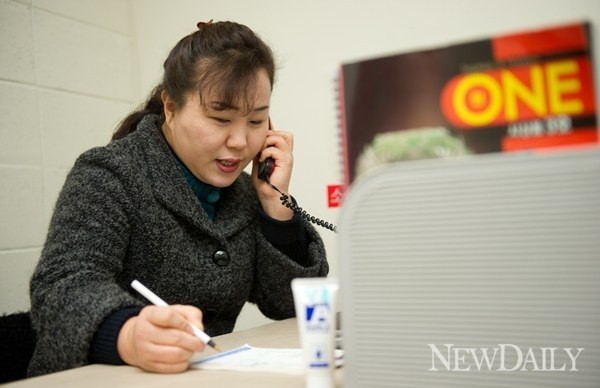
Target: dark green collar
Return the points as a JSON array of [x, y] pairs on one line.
[[207, 195]]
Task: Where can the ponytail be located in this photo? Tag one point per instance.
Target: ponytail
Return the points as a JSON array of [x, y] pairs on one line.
[[129, 124]]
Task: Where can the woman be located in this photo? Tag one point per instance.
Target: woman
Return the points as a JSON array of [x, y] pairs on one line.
[[167, 202]]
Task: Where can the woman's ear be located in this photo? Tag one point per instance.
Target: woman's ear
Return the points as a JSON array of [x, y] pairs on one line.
[[168, 106]]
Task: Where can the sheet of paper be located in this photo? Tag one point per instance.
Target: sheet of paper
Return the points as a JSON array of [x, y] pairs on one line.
[[248, 358]]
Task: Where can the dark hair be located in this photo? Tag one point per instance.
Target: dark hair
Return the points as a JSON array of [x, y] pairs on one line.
[[221, 58]]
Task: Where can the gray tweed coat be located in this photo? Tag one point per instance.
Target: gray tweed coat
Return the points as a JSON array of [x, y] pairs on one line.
[[126, 212]]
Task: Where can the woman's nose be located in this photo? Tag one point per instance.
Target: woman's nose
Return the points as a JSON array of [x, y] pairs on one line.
[[237, 138]]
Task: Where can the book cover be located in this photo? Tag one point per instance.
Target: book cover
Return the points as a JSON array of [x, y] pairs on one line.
[[519, 91]]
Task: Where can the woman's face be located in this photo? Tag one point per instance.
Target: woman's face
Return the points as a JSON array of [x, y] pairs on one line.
[[218, 141]]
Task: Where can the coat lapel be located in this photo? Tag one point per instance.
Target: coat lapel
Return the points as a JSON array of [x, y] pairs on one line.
[[237, 206]]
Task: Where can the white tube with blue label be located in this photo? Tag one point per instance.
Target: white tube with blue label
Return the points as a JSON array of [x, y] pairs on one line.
[[315, 300]]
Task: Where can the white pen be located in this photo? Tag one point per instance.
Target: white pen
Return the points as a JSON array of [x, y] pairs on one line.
[[155, 300]]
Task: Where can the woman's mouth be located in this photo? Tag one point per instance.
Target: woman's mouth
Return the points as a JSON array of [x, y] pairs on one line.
[[228, 165]]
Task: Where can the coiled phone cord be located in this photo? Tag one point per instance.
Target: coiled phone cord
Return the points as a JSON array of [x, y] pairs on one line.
[[285, 201]]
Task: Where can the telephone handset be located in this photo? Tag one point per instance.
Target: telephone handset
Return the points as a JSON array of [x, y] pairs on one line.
[[265, 169]]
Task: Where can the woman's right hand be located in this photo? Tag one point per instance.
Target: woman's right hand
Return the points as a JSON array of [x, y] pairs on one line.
[[160, 339]]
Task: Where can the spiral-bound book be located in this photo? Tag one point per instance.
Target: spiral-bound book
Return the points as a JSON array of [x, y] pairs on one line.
[[528, 90]]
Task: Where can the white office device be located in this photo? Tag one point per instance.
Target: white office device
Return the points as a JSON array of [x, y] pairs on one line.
[[476, 272]]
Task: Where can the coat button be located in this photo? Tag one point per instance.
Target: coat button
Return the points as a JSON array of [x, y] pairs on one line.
[[221, 258]]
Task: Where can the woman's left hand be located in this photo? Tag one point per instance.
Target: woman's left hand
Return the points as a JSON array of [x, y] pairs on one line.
[[279, 146]]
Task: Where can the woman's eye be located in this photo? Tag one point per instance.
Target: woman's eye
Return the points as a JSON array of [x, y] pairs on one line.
[[256, 122], [221, 120]]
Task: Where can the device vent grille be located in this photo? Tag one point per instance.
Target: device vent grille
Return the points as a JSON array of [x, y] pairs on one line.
[[475, 253]]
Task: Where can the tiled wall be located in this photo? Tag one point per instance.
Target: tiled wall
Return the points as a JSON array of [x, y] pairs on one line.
[[66, 79]]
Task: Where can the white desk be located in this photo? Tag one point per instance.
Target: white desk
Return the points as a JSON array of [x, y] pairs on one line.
[[283, 334]]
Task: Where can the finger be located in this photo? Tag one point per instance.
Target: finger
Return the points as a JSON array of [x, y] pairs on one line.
[[191, 314], [163, 353], [288, 137], [281, 139], [167, 368], [162, 360], [166, 317], [184, 339], [159, 358], [166, 354], [168, 326]]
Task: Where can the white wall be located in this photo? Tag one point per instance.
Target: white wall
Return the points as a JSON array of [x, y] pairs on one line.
[[65, 81], [67, 75]]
